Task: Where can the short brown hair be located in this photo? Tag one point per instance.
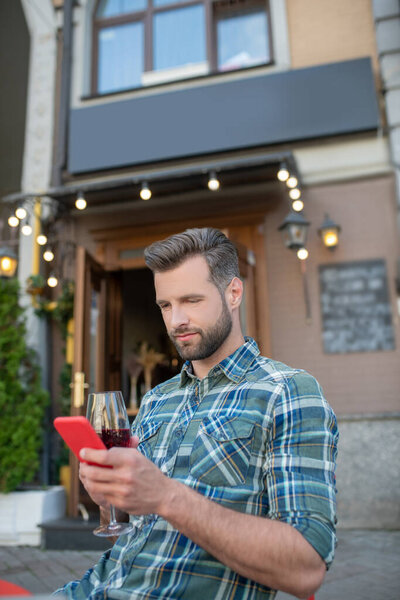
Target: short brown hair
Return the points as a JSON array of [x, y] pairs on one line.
[[218, 251]]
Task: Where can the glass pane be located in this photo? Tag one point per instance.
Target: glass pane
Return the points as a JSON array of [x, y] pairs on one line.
[[242, 40], [112, 8], [179, 37], [121, 58]]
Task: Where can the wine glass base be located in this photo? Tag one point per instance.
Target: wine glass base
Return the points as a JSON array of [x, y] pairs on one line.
[[113, 530]]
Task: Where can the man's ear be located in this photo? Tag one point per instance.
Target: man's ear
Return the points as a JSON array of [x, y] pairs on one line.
[[235, 292]]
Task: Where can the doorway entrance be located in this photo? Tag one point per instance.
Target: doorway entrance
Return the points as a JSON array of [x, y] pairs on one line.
[[148, 355]]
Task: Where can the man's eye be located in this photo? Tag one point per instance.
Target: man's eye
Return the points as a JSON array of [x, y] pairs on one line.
[[163, 306], [193, 300]]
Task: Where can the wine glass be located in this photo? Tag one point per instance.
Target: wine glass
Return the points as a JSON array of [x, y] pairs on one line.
[[107, 413]]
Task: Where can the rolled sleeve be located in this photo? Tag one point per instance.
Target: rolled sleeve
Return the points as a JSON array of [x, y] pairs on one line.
[[300, 465]]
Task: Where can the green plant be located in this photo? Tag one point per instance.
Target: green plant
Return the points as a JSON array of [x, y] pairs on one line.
[[22, 398], [61, 311], [35, 282]]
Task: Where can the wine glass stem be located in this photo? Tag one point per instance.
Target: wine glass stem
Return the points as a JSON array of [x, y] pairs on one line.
[[113, 520]]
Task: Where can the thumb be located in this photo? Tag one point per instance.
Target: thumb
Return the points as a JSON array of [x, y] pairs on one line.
[[134, 443]]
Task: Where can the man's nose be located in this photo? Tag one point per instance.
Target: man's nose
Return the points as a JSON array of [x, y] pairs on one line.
[[179, 317]]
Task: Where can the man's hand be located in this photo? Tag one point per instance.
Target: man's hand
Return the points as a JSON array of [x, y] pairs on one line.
[[133, 484], [97, 497]]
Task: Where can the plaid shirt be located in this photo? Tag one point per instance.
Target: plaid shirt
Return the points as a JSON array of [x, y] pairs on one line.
[[255, 436]]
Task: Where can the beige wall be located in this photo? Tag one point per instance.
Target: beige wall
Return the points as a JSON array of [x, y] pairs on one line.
[[323, 31], [356, 382]]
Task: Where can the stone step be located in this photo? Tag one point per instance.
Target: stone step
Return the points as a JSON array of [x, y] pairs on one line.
[[70, 533]]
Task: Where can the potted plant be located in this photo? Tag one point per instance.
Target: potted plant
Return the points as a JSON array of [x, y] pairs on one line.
[[35, 284], [22, 408]]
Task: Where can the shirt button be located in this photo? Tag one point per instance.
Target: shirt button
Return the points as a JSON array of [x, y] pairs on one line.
[[178, 433]]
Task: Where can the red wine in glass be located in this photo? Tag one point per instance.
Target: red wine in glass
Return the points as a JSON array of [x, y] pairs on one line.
[[116, 437]]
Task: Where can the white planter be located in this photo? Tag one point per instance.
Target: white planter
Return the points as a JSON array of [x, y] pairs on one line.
[[21, 513]]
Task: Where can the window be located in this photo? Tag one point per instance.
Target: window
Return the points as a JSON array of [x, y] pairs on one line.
[[140, 42]]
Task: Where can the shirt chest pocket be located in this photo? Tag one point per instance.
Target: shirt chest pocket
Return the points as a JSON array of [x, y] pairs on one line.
[[148, 434], [221, 451]]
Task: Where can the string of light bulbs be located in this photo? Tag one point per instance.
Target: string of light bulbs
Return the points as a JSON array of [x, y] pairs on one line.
[[292, 184]]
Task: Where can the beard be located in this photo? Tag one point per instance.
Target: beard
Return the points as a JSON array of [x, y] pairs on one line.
[[211, 339]]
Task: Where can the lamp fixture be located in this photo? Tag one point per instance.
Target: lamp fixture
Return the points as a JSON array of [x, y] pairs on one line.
[[283, 173], [8, 263], [52, 281], [292, 182], [48, 255], [41, 239], [145, 192], [294, 230], [80, 202], [213, 182], [26, 229], [329, 232], [20, 213], [13, 221]]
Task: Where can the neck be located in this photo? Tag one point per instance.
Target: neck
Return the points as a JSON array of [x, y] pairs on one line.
[[202, 367]]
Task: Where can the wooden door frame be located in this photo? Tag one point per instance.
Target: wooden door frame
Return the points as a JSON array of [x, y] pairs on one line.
[[88, 276]]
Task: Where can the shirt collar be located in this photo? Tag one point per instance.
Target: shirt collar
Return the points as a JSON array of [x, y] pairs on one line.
[[234, 366]]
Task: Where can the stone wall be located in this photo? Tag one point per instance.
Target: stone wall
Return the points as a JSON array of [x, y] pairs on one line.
[[368, 472]]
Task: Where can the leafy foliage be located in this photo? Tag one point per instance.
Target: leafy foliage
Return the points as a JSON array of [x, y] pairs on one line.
[[22, 398]]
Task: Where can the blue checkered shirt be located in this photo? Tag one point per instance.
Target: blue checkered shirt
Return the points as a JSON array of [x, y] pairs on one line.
[[255, 436]]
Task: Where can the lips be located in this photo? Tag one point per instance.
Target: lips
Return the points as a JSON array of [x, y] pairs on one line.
[[184, 337]]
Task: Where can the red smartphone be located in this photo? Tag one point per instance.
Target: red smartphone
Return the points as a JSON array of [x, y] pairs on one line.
[[78, 433]]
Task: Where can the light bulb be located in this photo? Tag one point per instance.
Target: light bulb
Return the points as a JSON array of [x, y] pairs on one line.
[[52, 281], [48, 255], [295, 193], [302, 253], [26, 229], [20, 213], [291, 182], [80, 202], [298, 205], [41, 239], [213, 182], [13, 221], [5, 264], [283, 174], [330, 239], [145, 192]]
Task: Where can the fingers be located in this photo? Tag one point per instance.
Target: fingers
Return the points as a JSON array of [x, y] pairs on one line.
[[114, 457], [134, 441], [94, 456]]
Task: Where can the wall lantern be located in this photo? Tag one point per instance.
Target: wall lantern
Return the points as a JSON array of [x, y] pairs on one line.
[[329, 232], [8, 263], [294, 231]]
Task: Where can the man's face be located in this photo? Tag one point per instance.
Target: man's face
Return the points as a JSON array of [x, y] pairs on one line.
[[197, 318]]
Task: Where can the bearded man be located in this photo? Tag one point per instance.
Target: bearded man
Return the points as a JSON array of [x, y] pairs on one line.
[[231, 481]]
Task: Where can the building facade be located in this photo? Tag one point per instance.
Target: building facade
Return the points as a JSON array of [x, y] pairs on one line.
[[125, 97]]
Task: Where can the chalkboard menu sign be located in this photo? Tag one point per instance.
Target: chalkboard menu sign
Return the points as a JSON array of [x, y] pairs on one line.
[[355, 305]]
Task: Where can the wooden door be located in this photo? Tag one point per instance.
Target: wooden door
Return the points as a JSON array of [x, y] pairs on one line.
[[97, 347]]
